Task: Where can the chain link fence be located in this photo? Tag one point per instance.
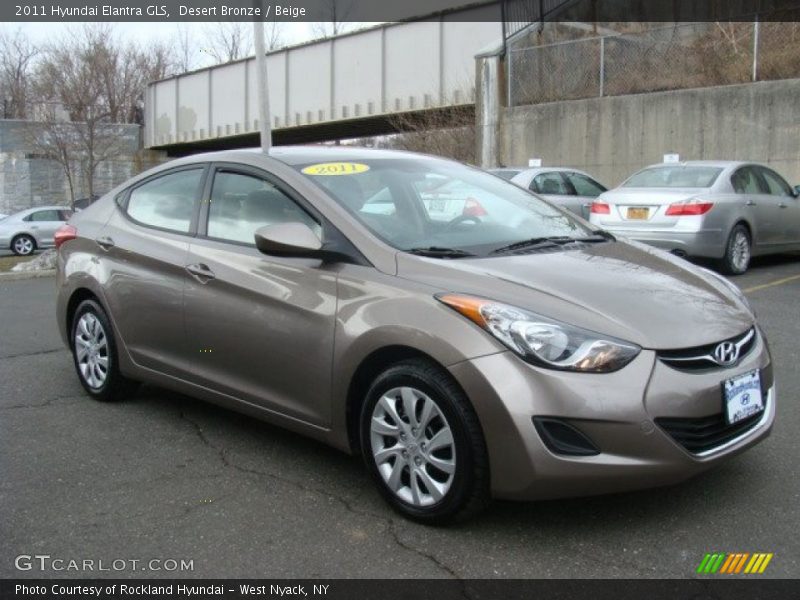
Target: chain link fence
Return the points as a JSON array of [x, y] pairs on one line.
[[679, 56]]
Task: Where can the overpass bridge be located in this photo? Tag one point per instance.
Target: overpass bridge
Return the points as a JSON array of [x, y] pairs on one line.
[[348, 86]]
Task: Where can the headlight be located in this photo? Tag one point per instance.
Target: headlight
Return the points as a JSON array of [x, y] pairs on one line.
[[543, 341]]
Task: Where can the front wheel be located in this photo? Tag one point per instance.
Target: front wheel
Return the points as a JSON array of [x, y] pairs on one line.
[[95, 354], [23, 245], [737, 251], [423, 444]]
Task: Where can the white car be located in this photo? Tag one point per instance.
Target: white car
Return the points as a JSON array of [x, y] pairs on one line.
[[568, 188], [31, 229]]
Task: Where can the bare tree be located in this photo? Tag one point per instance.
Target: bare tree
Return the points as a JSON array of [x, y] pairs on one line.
[[226, 42], [84, 75], [184, 50], [16, 61], [450, 133], [336, 13]]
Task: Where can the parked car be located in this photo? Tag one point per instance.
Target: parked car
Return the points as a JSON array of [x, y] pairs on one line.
[[568, 188], [506, 172], [527, 358], [31, 229], [724, 210]]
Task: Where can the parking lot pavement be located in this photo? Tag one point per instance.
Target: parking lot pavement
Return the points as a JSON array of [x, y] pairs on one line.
[[164, 477]]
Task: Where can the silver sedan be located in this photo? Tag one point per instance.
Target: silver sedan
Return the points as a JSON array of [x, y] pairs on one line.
[[724, 210], [568, 188], [31, 229]]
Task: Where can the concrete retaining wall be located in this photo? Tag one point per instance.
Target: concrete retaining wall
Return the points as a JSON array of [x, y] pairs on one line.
[[613, 137]]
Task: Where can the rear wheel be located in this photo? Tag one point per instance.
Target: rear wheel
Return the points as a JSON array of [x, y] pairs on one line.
[[737, 251], [423, 444], [95, 354], [23, 245]]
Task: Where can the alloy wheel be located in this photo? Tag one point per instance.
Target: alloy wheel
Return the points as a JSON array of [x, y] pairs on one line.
[[413, 446], [91, 350], [741, 251], [23, 245]]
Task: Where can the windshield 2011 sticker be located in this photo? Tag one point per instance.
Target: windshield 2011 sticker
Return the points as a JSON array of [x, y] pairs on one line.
[[336, 168]]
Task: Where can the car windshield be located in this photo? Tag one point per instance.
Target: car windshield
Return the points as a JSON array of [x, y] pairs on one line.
[[438, 206], [679, 176]]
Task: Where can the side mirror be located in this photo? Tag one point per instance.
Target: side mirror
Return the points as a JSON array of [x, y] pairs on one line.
[[288, 239]]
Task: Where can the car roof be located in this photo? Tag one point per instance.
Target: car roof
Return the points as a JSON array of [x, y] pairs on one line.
[[722, 164], [297, 155]]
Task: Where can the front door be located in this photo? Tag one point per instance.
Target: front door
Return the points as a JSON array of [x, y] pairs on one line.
[[260, 328]]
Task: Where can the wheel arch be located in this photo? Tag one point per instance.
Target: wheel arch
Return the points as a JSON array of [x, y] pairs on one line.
[[368, 369]]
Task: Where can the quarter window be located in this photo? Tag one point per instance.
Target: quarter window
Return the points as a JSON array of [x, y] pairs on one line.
[[166, 202], [240, 204]]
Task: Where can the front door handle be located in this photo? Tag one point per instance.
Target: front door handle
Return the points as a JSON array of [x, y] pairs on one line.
[[105, 242], [200, 272]]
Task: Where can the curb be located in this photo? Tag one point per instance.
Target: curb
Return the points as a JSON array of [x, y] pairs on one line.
[[17, 275]]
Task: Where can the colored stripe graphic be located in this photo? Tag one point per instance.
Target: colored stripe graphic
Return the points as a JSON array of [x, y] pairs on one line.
[[734, 563]]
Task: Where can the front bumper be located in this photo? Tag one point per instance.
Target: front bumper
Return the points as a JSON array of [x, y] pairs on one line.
[[707, 244], [617, 411]]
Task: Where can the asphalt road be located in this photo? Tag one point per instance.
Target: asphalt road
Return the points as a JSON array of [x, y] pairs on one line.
[[164, 477]]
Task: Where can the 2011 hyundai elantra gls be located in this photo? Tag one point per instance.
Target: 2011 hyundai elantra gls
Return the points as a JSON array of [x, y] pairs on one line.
[[517, 353]]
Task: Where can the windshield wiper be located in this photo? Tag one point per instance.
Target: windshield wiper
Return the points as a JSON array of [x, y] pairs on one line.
[[437, 252], [546, 242]]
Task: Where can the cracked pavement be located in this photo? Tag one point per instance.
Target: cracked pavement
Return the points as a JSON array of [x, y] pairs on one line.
[[165, 476]]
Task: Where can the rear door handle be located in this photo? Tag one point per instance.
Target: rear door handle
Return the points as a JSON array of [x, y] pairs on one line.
[[105, 242], [200, 272]]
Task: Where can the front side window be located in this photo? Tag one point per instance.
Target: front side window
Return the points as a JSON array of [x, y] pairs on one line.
[[585, 186], [777, 186], [551, 184], [166, 202], [423, 203], [681, 176], [241, 203]]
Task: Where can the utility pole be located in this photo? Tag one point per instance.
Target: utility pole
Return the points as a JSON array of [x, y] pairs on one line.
[[264, 125]]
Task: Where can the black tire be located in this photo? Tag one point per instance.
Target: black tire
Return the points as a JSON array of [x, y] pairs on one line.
[[19, 240], [738, 251], [469, 491], [114, 386]]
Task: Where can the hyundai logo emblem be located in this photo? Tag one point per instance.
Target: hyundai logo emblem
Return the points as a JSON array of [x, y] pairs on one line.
[[726, 354]]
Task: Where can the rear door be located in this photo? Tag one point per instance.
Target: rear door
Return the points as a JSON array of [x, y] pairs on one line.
[[555, 187], [261, 327], [43, 225], [143, 250], [753, 192], [788, 207]]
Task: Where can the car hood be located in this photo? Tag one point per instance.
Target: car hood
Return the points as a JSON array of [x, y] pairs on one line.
[[652, 196], [622, 289]]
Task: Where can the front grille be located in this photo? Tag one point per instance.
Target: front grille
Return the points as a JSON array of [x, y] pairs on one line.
[[702, 434], [701, 358]]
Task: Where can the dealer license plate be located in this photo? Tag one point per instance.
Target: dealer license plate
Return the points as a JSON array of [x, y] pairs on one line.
[[638, 213], [742, 397]]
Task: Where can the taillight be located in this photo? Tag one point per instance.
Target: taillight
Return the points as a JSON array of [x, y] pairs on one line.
[[601, 208], [65, 233], [473, 208], [688, 209]]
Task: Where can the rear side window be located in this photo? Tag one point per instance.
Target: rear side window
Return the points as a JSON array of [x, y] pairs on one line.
[[585, 186], [745, 181], [166, 202], [241, 204], [44, 215], [551, 183]]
